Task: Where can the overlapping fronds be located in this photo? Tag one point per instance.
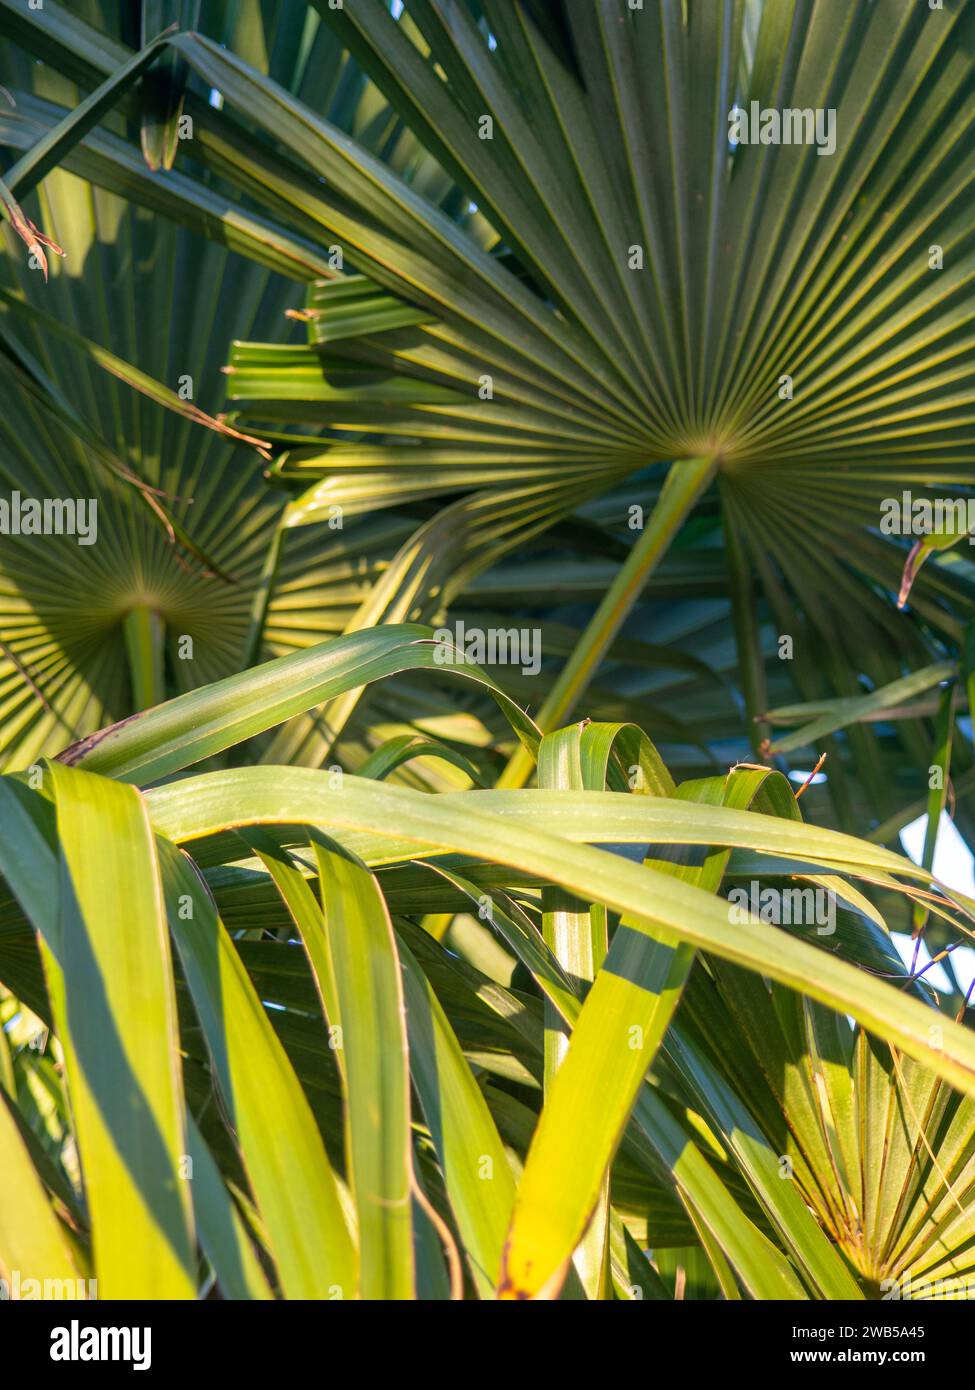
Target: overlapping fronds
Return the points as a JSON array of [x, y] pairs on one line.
[[331, 1104]]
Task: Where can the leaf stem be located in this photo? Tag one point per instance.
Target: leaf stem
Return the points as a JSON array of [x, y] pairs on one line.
[[145, 635], [686, 481]]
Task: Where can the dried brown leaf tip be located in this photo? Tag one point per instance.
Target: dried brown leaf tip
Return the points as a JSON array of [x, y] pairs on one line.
[[34, 239], [912, 564], [212, 422], [812, 776]]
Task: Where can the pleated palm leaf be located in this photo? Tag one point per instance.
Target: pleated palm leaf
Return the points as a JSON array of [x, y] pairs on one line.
[[880, 1150], [791, 319]]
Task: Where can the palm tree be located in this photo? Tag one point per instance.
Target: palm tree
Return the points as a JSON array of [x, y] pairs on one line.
[[753, 262], [571, 361]]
